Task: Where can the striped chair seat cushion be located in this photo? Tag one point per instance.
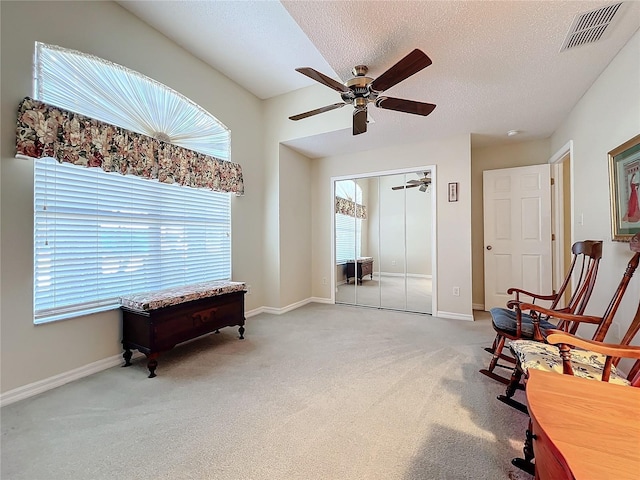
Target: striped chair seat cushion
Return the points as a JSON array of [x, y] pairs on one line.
[[542, 356]]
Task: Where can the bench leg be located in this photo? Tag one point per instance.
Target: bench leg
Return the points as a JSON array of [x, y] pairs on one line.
[[127, 357], [152, 364]]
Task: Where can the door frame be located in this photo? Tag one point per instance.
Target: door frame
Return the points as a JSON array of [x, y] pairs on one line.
[[565, 153], [434, 243], [514, 244]]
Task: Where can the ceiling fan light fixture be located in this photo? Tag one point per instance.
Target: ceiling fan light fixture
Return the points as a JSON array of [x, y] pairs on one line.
[[361, 90], [360, 70], [513, 133]]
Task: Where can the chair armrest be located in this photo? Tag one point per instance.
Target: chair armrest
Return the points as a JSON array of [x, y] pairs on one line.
[[514, 304], [608, 349], [519, 291], [559, 314]]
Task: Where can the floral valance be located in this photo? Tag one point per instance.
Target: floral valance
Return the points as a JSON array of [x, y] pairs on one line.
[[47, 131], [350, 208]]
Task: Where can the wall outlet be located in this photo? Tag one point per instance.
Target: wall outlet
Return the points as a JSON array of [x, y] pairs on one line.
[[393, 262], [248, 289], [456, 291], [324, 280]]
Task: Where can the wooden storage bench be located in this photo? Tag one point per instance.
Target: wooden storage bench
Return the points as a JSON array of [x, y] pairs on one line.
[[153, 322], [365, 267]]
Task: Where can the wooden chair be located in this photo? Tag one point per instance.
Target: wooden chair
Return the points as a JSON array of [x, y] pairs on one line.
[[598, 360], [541, 355], [514, 323], [590, 359]]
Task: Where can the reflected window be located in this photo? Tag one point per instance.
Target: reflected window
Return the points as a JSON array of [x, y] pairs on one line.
[[348, 228]]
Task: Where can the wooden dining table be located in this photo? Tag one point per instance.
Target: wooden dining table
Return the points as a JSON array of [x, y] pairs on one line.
[[583, 429]]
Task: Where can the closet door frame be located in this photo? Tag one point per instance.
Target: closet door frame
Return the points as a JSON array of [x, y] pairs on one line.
[[434, 222]]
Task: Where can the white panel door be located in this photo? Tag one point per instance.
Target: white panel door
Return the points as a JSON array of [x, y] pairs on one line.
[[517, 232]]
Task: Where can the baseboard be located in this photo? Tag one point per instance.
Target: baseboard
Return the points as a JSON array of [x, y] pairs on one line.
[[41, 386], [321, 300], [454, 316], [254, 312], [478, 306], [288, 308], [409, 275]]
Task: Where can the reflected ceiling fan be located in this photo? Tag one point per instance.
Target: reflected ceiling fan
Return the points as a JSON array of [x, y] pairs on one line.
[[423, 183], [362, 90]]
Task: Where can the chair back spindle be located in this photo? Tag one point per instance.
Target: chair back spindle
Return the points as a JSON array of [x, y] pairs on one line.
[[588, 254], [609, 314]]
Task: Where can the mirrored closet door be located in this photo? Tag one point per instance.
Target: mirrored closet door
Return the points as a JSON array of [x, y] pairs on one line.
[[383, 229]]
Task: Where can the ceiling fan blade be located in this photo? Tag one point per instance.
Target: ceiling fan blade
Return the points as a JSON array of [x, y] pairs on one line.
[[417, 182], [359, 121], [407, 106], [412, 63], [402, 187], [322, 78], [316, 111]]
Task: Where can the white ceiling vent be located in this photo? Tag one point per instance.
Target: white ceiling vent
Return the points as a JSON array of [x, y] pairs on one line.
[[590, 26]]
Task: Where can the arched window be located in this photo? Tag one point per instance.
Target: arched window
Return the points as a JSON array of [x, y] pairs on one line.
[[98, 234], [119, 96]]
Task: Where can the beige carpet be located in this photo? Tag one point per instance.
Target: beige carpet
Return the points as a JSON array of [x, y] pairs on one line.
[[322, 392]]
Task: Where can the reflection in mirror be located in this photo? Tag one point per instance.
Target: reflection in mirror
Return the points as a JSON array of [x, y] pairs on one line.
[[391, 208], [418, 244], [349, 214], [383, 246], [368, 288]]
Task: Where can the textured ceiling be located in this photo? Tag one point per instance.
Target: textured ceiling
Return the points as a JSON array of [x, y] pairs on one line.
[[496, 66]]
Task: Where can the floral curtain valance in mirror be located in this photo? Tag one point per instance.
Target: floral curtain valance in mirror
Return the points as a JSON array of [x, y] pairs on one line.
[[47, 131], [350, 208]]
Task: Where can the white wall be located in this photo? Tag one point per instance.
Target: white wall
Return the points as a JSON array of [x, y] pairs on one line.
[[277, 129], [452, 158], [295, 227], [31, 353], [606, 116]]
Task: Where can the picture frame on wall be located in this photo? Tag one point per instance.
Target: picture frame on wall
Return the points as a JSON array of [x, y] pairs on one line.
[[624, 176], [453, 192]]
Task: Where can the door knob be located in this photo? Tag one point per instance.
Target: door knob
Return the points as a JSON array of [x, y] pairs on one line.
[[489, 247]]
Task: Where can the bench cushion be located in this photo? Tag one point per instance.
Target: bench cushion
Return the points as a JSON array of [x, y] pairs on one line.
[[146, 301], [504, 319]]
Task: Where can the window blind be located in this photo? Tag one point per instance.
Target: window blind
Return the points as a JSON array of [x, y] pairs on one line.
[[348, 229], [348, 238], [100, 235]]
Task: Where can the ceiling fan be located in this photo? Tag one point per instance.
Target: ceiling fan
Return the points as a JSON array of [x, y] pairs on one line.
[[362, 90], [423, 183]]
